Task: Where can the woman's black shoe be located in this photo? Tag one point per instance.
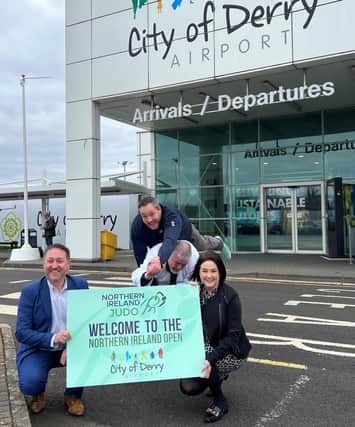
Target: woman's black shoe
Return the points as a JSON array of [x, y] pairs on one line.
[[215, 413]]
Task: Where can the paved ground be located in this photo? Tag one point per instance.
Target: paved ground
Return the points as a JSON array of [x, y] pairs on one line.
[[13, 410], [256, 265]]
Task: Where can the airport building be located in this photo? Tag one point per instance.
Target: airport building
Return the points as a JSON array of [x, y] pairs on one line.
[[246, 111]]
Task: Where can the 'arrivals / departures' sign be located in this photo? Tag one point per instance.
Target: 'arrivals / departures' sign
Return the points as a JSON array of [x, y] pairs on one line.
[[227, 102]]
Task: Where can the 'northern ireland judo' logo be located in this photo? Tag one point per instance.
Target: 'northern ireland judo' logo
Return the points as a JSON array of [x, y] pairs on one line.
[[137, 4]]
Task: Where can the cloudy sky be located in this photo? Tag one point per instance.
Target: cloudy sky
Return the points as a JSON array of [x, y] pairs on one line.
[[32, 43]]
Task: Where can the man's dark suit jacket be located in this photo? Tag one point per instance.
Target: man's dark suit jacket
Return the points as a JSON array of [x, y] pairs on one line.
[[34, 318]]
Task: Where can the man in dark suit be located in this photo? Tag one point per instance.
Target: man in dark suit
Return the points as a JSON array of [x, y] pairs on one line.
[[41, 329]]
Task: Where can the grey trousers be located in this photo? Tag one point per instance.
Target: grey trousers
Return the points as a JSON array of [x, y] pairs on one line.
[[204, 242]]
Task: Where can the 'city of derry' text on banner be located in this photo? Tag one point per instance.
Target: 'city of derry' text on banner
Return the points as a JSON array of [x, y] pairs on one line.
[[132, 335]]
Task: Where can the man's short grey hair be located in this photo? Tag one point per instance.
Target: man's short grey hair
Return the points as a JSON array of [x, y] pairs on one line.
[[183, 250]]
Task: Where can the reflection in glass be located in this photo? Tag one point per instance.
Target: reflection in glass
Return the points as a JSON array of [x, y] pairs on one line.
[[167, 198], [190, 200], [203, 140], [246, 209], [166, 145], [190, 171], [203, 202], [167, 173], [244, 169], [339, 125], [298, 164], [309, 217], [286, 148], [244, 136], [211, 171], [213, 228], [278, 218], [283, 132], [340, 159]]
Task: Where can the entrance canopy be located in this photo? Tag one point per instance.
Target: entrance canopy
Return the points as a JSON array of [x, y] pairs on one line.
[[117, 186], [252, 98]]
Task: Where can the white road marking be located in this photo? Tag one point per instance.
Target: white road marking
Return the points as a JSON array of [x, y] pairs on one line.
[[13, 295], [111, 282], [11, 310], [16, 295], [280, 406], [20, 281], [303, 344], [329, 304], [8, 309], [291, 318], [326, 296], [290, 281], [336, 291]]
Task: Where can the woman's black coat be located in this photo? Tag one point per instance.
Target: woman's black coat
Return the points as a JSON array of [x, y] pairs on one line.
[[222, 324]]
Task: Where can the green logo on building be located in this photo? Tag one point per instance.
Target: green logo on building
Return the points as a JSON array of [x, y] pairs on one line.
[[137, 4], [10, 227]]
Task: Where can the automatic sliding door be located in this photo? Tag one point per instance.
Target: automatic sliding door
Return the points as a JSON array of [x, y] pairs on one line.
[[278, 218], [293, 218], [309, 218]]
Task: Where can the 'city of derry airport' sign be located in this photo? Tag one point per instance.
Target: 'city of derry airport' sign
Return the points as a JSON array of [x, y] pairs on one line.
[[226, 102], [132, 335], [236, 16]]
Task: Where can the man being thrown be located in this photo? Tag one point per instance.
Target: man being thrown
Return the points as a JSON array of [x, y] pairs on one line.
[[41, 329], [164, 224], [177, 269]]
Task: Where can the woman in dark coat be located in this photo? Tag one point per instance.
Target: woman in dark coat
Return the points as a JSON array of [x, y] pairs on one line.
[[226, 343], [48, 228]]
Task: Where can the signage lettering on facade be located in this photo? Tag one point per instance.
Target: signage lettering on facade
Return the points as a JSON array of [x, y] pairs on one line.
[[226, 102], [271, 203], [261, 14], [307, 148], [236, 16]]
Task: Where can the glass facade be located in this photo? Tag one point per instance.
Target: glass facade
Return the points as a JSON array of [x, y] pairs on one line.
[[214, 174]]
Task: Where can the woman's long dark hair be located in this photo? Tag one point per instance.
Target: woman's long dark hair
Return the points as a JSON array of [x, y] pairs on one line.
[[210, 256]]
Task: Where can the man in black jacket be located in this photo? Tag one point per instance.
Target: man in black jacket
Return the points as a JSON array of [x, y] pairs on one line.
[[165, 224]]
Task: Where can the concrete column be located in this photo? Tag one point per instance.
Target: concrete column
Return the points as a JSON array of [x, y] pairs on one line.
[[83, 180], [146, 159], [82, 137]]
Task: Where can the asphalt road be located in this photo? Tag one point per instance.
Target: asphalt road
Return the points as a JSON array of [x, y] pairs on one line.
[[300, 372]]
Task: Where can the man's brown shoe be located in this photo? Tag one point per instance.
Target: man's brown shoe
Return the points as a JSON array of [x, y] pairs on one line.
[[38, 403], [74, 405]]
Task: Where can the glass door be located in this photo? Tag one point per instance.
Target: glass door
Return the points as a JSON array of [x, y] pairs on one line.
[[278, 206], [309, 229], [293, 218]]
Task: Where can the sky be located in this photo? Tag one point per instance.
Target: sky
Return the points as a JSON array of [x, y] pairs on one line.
[[32, 35]]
